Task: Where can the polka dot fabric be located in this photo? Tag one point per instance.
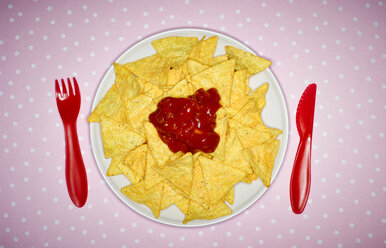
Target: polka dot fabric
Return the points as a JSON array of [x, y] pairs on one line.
[[339, 45]]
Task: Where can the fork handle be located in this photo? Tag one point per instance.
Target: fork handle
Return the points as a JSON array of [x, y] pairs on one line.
[[76, 177]]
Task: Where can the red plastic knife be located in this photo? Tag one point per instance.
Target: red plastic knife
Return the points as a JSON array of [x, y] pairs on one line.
[[301, 172]]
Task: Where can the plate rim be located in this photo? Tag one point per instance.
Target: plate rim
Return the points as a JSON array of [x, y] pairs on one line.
[[283, 145]]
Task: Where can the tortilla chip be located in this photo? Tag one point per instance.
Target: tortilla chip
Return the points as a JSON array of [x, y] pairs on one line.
[[195, 67], [195, 211], [110, 105], [245, 60], [220, 59], [254, 136], [158, 149], [230, 196], [127, 84], [151, 68], [219, 178], [179, 172], [219, 76], [118, 138], [150, 197], [175, 50], [221, 129], [263, 158], [181, 89]]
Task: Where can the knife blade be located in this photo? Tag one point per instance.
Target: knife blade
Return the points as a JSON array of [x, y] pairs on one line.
[[300, 182]]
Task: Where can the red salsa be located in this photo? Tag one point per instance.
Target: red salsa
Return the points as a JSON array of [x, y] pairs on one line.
[[187, 124]]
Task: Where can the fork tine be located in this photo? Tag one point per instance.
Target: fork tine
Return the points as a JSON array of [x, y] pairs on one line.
[[70, 91], [57, 88], [64, 88], [76, 86]]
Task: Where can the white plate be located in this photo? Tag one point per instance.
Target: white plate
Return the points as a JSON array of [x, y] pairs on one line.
[[274, 115]]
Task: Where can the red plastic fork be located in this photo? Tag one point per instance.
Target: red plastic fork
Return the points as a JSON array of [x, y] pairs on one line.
[[68, 101]]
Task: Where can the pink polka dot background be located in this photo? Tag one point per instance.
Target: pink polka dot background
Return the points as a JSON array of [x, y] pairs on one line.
[[340, 45]]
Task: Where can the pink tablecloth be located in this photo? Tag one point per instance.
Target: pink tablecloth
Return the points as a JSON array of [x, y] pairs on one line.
[[340, 45]]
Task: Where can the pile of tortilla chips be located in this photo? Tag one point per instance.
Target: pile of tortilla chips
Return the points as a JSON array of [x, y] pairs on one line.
[[199, 184]]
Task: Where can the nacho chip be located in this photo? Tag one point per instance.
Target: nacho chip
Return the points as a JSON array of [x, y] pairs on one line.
[[219, 76], [158, 149], [179, 172], [152, 69], [127, 84], [175, 50], [151, 197], [219, 178], [110, 106], [195, 67], [118, 138], [245, 60], [254, 136], [195, 211], [263, 159]]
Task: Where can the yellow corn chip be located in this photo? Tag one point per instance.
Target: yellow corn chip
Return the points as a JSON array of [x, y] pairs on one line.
[[219, 178], [220, 59], [245, 60], [195, 211], [179, 172], [175, 50], [219, 76], [127, 84], [195, 67], [158, 149], [181, 89], [110, 106], [221, 129], [207, 50], [254, 136], [263, 159], [152, 69], [118, 138], [238, 88], [230, 196], [150, 197]]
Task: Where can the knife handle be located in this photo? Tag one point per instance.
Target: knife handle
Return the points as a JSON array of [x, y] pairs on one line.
[[301, 176]]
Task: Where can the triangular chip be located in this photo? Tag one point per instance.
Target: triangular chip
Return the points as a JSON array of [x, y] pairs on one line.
[[199, 192], [238, 88], [118, 138], [175, 49], [235, 156], [150, 197], [127, 84], [220, 59], [159, 150], [207, 50], [181, 89], [136, 161], [245, 60], [219, 76], [263, 159], [114, 168], [195, 211], [179, 172], [151, 68], [219, 178], [195, 67], [254, 136], [230, 196], [151, 177], [110, 105], [221, 129]]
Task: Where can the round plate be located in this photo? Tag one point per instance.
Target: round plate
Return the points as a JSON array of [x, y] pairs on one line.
[[274, 115]]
